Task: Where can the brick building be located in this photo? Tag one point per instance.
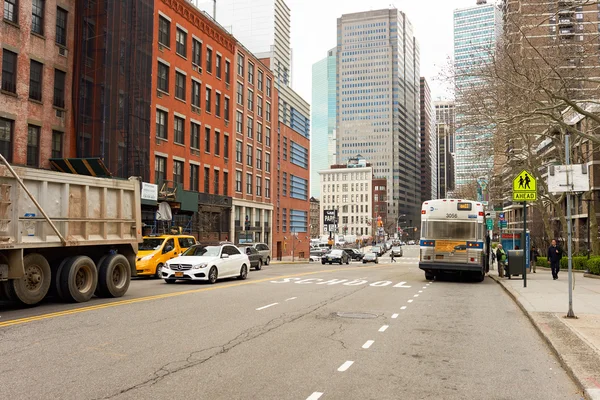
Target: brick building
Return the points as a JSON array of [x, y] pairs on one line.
[[36, 40], [380, 202], [255, 114]]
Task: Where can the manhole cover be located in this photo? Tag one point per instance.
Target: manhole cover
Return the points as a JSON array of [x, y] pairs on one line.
[[356, 315]]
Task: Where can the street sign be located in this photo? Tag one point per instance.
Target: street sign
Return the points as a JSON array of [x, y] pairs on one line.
[[492, 214], [524, 187], [501, 216], [490, 224]]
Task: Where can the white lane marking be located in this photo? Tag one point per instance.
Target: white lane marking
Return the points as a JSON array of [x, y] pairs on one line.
[[430, 282], [267, 306], [394, 316], [420, 291], [383, 328], [368, 344], [424, 287], [291, 298], [416, 295], [345, 366], [315, 396], [403, 308], [410, 301]]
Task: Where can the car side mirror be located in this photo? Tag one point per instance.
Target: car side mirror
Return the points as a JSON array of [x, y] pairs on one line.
[[224, 255]]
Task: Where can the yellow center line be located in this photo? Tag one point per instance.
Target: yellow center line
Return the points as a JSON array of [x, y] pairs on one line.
[[41, 317]]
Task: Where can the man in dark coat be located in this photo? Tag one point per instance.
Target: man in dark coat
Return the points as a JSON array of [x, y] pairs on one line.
[[554, 256]]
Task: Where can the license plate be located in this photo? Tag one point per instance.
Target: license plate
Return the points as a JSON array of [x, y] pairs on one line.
[[179, 274], [439, 257]]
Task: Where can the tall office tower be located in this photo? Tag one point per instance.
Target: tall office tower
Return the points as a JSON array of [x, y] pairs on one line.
[[322, 144], [476, 31], [378, 104], [444, 129], [263, 27], [429, 177]]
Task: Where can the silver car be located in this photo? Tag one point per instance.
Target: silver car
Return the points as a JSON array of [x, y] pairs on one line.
[[264, 251]]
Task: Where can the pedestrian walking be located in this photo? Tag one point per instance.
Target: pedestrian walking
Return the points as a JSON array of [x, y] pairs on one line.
[[501, 257], [554, 256], [392, 256], [493, 258], [533, 256]]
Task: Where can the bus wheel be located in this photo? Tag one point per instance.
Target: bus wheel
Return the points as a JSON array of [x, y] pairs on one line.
[[429, 276], [479, 276]]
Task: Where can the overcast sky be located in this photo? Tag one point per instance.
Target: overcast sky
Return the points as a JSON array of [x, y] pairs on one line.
[[314, 32]]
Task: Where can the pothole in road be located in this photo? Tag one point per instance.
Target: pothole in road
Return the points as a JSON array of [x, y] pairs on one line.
[[356, 315]]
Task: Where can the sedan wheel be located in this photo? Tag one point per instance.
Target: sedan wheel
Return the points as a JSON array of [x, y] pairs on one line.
[[212, 275], [259, 265], [243, 273]]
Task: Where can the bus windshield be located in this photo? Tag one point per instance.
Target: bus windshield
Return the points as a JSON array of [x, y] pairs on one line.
[[458, 230]]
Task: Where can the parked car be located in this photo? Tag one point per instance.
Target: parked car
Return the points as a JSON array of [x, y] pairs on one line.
[[396, 251], [315, 255], [155, 251], [207, 263], [370, 257], [264, 251], [359, 254], [336, 256], [377, 250], [411, 242], [354, 255], [256, 259]]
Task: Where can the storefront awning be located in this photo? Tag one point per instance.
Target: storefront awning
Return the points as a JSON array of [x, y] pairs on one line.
[[81, 166]]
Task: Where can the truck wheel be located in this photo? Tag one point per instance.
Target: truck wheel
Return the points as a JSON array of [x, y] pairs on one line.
[[78, 279], [429, 276], [114, 276], [34, 285]]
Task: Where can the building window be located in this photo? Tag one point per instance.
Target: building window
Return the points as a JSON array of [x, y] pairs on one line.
[[268, 162], [226, 146], [284, 220], [250, 127], [195, 136], [299, 155], [207, 107], [268, 188], [11, 11], [179, 130], [268, 136], [59, 88], [238, 181], [238, 152], [218, 66], [206, 180], [180, 86], [196, 52], [181, 43], [225, 183], [240, 94], [160, 169], [178, 172], [298, 188], [239, 122], [285, 147], [33, 144], [216, 182], [207, 139], [250, 100], [259, 81], [164, 31], [217, 143], [6, 132], [284, 184], [163, 77], [259, 132], [37, 17], [268, 112], [161, 124], [217, 104], [240, 65], [194, 177], [248, 183], [196, 93], [61, 26], [226, 109], [251, 73], [227, 72], [35, 80], [259, 158], [259, 106], [9, 71], [57, 144], [249, 155], [209, 60], [258, 186], [269, 87]]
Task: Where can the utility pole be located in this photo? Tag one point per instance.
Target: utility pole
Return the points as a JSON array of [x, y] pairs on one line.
[[570, 313]]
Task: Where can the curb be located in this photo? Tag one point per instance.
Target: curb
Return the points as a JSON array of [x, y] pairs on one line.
[[588, 392], [592, 276], [579, 271]]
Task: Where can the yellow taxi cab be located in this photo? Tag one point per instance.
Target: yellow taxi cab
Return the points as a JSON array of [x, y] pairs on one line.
[[155, 251]]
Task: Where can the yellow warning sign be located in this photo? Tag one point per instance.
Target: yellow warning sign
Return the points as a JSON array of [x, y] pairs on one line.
[[524, 187]]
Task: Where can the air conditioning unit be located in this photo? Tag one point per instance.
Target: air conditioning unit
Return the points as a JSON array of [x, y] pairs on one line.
[[161, 47], [62, 51], [194, 67], [195, 109]]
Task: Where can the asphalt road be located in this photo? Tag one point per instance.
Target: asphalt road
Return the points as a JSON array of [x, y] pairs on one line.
[[288, 332]]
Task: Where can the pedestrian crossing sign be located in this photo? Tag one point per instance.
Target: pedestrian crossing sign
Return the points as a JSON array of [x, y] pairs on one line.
[[524, 187]]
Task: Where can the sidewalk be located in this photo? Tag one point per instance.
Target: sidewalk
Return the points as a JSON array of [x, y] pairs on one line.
[[576, 342]]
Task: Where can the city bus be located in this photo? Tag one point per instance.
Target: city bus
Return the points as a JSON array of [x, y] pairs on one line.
[[453, 238]]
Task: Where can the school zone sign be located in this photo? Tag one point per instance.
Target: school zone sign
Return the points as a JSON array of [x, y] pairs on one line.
[[344, 282]]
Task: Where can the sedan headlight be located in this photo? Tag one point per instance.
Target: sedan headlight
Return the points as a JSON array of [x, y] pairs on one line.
[[199, 266], [166, 266], [147, 258]]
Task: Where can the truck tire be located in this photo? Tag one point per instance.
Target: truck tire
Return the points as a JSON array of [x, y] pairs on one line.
[[34, 285], [78, 279], [114, 276], [55, 287], [429, 276], [8, 291]]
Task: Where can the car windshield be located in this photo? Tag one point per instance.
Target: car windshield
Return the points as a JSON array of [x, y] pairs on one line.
[[335, 252], [396, 248], [151, 244], [374, 248], [203, 251]]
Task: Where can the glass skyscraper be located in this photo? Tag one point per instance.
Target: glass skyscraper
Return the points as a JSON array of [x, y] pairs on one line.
[[322, 151], [476, 31], [378, 111]]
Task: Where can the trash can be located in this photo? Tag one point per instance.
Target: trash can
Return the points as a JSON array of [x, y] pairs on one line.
[[516, 263]]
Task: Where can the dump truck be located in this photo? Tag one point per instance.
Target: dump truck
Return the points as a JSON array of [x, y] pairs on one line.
[[65, 234]]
